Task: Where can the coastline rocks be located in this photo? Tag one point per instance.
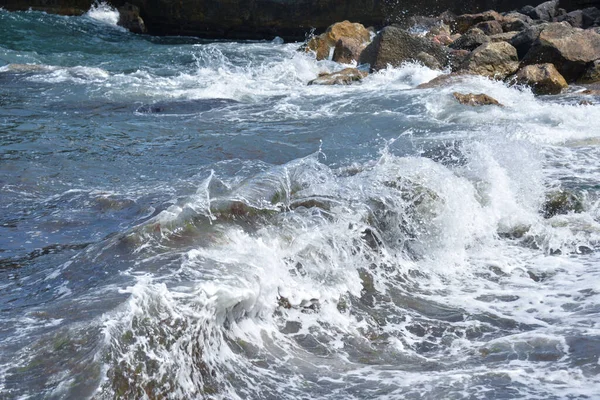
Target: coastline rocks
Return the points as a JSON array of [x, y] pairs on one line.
[[504, 37], [394, 46], [129, 18], [515, 22], [471, 99], [571, 50], [351, 32], [343, 77], [494, 60], [443, 80], [543, 78]]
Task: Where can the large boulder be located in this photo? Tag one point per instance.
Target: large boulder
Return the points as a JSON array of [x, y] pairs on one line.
[[323, 43], [394, 46], [591, 17], [543, 78], [343, 77], [571, 50], [504, 37], [473, 100], [574, 18], [494, 60], [515, 22]]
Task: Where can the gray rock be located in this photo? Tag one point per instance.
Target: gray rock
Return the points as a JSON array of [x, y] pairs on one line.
[[347, 50], [574, 18], [511, 24], [129, 18], [394, 46], [561, 202], [591, 17], [524, 40], [545, 11]]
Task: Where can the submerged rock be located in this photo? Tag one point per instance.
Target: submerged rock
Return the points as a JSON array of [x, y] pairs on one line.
[[494, 60], [561, 202], [571, 50], [394, 46], [543, 78], [324, 43], [343, 77], [471, 99], [443, 80]]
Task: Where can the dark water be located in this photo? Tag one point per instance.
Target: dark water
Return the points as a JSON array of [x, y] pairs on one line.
[[188, 219]]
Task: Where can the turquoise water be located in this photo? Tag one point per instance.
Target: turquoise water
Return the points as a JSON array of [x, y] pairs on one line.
[[187, 219]]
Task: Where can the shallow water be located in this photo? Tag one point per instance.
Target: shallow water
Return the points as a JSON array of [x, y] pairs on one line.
[[188, 219]]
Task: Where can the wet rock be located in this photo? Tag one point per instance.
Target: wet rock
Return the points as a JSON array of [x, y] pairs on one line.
[[457, 58], [323, 43], [494, 60], [545, 11], [591, 74], [347, 50], [543, 79], [570, 49], [443, 80], [561, 202], [464, 22], [492, 27], [445, 40], [343, 77], [525, 39], [428, 60], [129, 18], [469, 41], [503, 37], [471, 99], [394, 46]]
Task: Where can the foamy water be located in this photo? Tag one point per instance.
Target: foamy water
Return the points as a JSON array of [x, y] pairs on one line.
[[189, 219]]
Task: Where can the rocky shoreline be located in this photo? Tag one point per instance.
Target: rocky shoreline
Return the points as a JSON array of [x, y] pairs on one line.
[[543, 47]]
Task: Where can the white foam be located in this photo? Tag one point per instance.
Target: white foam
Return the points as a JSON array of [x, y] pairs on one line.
[[103, 12]]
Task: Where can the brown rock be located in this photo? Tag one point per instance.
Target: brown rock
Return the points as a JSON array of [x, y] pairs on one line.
[[513, 23], [347, 50], [394, 46], [129, 18], [323, 43], [571, 50], [457, 58], [428, 60], [494, 60], [543, 78], [471, 99], [462, 23], [469, 41], [343, 77], [492, 27]]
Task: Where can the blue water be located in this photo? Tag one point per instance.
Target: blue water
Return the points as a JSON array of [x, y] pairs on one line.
[[187, 219]]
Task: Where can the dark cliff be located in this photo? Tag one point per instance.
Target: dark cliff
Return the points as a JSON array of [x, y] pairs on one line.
[[259, 19]]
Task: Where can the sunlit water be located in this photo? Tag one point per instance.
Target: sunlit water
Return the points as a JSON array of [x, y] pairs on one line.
[[188, 219]]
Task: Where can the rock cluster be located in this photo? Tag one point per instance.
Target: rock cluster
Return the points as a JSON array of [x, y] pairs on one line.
[[543, 47]]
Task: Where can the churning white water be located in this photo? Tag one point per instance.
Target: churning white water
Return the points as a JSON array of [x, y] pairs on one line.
[[188, 219]]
